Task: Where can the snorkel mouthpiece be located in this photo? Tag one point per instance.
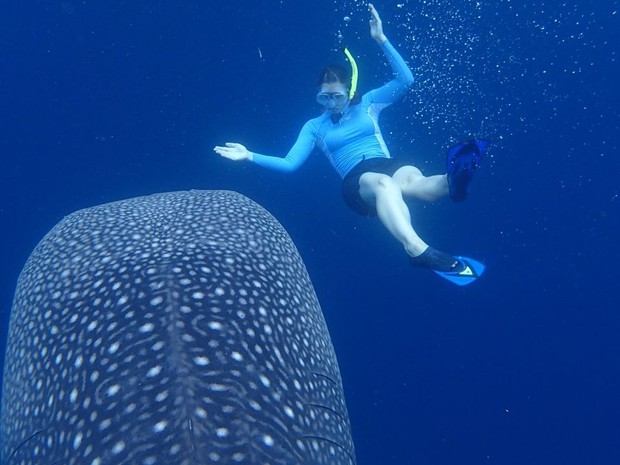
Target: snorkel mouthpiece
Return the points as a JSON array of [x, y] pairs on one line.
[[354, 73]]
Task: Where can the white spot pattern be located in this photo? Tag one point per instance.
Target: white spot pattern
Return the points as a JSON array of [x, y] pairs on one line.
[[174, 312]]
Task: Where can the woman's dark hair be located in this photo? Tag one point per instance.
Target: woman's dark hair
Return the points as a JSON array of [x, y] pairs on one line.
[[334, 73], [337, 73]]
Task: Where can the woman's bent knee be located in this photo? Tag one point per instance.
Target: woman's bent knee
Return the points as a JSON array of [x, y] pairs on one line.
[[373, 181], [375, 185], [407, 175]]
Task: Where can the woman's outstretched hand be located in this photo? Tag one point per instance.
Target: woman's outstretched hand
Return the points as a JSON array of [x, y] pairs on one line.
[[376, 26], [234, 152]]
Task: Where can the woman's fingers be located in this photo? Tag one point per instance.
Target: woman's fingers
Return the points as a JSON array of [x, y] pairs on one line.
[[373, 12], [222, 150], [225, 152], [232, 151], [229, 147]]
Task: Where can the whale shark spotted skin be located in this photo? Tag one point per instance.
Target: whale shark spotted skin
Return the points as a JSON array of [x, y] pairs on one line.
[[177, 328]]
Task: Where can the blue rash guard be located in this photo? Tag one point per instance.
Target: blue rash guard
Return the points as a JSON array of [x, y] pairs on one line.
[[356, 137]]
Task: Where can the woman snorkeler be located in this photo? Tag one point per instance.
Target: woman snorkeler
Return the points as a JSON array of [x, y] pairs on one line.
[[374, 183]]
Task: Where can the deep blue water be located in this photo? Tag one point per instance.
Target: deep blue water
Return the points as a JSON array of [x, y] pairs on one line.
[[101, 101]]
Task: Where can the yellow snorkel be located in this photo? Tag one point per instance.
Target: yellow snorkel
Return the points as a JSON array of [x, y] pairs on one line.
[[353, 73]]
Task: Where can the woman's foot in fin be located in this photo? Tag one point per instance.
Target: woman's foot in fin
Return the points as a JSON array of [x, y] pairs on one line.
[[462, 161], [438, 261]]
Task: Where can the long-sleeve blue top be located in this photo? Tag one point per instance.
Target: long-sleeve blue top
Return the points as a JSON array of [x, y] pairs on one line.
[[356, 137]]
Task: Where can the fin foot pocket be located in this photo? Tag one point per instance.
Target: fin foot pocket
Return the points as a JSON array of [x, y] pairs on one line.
[[462, 160], [437, 261]]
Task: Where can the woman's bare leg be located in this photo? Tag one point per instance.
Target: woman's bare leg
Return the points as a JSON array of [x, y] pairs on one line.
[[384, 193], [413, 184]]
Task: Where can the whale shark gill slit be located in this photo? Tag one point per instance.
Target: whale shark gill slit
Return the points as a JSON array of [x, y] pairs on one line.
[[29, 438]]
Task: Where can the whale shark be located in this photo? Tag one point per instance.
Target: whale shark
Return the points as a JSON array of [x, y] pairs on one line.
[[178, 328]]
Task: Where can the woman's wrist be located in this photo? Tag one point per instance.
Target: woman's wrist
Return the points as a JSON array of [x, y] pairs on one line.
[[380, 39]]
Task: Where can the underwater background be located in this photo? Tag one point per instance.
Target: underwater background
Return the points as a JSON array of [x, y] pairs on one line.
[[101, 101]]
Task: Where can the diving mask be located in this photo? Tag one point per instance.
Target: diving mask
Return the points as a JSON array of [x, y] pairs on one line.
[[331, 99]]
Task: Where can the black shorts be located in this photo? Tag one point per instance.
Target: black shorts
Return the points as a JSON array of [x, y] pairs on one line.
[[351, 182]]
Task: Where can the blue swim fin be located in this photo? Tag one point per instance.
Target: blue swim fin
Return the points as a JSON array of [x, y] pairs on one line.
[[462, 160], [472, 271]]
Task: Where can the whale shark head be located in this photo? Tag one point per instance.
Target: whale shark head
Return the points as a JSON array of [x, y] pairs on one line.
[[178, 328]]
